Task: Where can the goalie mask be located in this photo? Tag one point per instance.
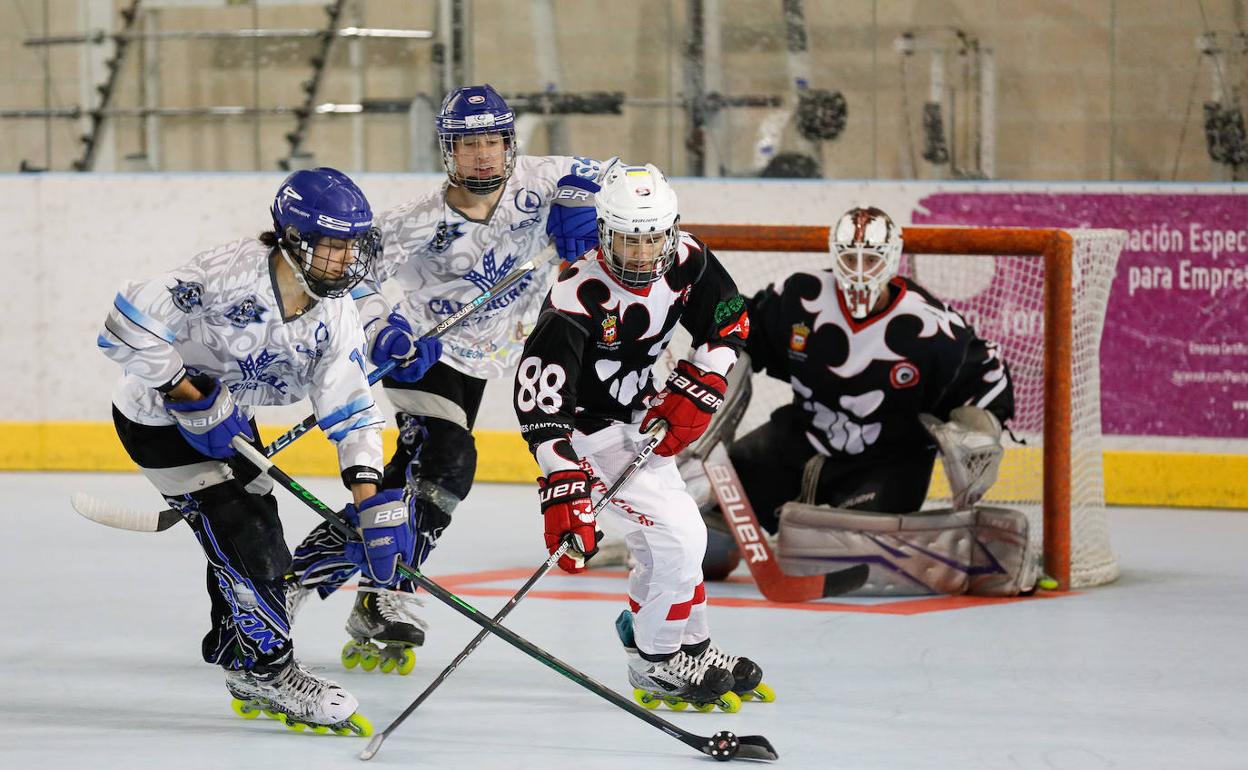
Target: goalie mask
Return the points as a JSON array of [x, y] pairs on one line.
[[477, 134], [637, 224], [866, 251], [325, 229]]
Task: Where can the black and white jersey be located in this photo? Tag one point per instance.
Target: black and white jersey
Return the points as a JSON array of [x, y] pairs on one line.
[[589, 361], [861, 384]]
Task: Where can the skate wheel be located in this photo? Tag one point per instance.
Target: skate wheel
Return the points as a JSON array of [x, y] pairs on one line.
[[387, 665], [296, 726], [320, 729], [370, 656], [408, 663], [729, 702], [244, 709], [705, 708], [676, 704], [646, 699], [274, 714], [762, 692], [350, 655], [357, 724]]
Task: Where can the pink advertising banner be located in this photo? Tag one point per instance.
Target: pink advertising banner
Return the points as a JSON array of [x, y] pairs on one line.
[[1174, 357]]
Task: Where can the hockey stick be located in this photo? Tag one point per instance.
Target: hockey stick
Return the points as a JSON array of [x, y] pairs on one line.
[[722, 745], [775, 585], [644, 454], [110, 515]]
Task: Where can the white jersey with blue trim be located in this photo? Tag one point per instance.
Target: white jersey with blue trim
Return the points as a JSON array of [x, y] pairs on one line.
[[441, 260], [219, 315]]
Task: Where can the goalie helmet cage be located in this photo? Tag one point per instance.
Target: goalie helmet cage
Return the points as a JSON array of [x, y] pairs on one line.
[[1039, 293]]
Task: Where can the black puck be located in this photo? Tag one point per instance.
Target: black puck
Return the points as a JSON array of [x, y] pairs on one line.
[[724, 745]]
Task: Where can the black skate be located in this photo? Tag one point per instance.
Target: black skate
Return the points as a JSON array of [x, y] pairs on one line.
[[385, 616], [747, 675]]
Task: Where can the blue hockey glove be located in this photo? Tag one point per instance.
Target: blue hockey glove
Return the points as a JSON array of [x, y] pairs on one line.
[[415, 354], [388, 535], [210, 423], [573, 221]]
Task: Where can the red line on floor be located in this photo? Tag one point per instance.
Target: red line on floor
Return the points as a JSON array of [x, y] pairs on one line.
[[469, 584]]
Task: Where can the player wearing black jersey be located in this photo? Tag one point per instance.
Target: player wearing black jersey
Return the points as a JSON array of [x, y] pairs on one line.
[[584, 392], [879, 368]]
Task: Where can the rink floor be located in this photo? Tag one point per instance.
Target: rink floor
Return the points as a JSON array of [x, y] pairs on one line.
[[100, 658]]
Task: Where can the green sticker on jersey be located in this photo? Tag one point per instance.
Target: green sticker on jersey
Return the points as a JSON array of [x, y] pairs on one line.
[[728, 308]]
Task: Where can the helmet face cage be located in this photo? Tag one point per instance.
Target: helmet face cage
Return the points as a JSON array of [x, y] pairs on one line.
[[476, 131], [866, 248], [472, 149], [638, 259], [325, 228], [330, 265]]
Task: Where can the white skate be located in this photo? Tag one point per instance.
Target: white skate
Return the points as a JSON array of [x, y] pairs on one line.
[[298, 698]]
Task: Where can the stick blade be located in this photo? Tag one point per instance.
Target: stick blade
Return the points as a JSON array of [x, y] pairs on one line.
[[370, 750], [846, 580], [756, 747], [115, 516]]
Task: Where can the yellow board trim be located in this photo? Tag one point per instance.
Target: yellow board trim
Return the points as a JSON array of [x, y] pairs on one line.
[[1182, 479]]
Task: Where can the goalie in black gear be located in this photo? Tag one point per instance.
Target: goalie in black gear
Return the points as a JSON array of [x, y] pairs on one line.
[[882, 373]]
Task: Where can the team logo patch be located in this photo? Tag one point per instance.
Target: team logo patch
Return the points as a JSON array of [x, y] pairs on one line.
[[798, 337], [476, 99], [610, 330], [249, 311], [904, 375], [255, 371], [528, 201], [445, 235], [741, 328], [729, 308], [492, 271], [186, 295]]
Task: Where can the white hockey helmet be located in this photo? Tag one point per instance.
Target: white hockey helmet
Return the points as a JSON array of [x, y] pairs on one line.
[[638, 223], [866, 250]]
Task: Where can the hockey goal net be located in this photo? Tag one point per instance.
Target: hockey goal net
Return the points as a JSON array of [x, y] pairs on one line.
[[1041, 295]]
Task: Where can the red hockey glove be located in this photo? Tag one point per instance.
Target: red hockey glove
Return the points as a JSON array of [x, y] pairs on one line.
[[565, 504], [686, 405]]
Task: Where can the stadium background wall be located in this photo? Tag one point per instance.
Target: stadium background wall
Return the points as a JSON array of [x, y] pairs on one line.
[[1174, 357]]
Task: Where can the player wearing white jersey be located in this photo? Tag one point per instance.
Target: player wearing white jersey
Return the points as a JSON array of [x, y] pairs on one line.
[[584, 390], [258, 322], [441, 250]]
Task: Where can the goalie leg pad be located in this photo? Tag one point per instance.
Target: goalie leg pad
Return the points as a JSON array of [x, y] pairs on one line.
[[983, 551], [1005, 562], [909, 555]]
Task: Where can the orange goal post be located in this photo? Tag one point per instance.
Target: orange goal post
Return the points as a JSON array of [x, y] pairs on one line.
[[1041, 294]]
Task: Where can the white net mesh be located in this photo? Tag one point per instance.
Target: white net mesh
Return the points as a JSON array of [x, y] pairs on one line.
[[1003, 298]]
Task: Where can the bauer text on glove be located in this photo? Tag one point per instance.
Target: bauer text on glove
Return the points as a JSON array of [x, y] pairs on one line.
[[564, 496], [209, 424], [686, 405], [387, 533]]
